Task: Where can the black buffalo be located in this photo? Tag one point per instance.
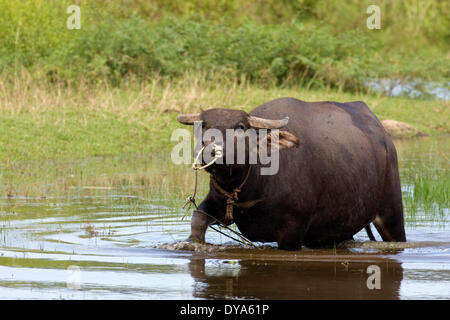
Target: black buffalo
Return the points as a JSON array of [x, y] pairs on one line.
[[338, 172]]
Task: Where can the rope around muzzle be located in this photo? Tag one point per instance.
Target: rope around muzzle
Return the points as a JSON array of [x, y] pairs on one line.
[[196, 167], [230, 198]]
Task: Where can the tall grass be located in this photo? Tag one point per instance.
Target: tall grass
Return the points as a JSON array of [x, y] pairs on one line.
[[427, 197], [425, 175]]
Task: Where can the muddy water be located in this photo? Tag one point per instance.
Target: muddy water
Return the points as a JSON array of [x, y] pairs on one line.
[[111, 228]]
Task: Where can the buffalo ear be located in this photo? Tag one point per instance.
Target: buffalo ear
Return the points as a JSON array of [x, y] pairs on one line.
[[285, 140], [188, 118]]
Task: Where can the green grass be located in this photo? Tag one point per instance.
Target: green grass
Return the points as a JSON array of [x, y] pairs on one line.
[[425, 175], [39, 121], [310, 43], [428, 195]]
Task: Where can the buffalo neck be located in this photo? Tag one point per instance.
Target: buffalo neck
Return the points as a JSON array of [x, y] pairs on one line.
[[230, 177]]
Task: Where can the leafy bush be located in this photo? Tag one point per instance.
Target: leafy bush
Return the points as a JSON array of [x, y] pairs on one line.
[[121, 39]]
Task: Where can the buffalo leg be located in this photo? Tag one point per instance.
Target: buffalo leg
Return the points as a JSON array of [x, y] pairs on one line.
[[289, 244], [389, 219], [389, 224], [291, 237], [199, 224]]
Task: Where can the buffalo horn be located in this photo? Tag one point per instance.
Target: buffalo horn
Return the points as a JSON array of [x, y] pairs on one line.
[[188, 118], [261, 123]]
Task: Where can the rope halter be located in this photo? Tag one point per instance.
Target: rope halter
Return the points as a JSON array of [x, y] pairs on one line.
[[218, 153]]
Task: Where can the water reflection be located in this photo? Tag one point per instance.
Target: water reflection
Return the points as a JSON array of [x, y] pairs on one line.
[[250, 279]]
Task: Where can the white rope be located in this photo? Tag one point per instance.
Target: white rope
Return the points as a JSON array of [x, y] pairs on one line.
[[218, 153]]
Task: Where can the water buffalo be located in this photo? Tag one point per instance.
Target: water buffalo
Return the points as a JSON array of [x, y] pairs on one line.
[[337, 173]]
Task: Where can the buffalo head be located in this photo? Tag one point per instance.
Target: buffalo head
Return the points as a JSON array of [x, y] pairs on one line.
[[237, 136]]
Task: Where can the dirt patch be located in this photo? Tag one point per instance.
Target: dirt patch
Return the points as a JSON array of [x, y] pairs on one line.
[[397, 129]]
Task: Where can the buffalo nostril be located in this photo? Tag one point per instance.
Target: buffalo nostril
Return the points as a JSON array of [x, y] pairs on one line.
[[218, 151], [215, 151]]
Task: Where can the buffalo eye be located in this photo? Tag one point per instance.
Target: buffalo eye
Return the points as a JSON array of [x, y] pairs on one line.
[[240, 126]]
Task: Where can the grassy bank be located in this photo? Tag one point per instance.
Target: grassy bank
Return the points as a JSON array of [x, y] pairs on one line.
[[60, 121]]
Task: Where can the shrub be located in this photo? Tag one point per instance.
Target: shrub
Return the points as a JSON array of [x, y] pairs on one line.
[[118, 39]]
